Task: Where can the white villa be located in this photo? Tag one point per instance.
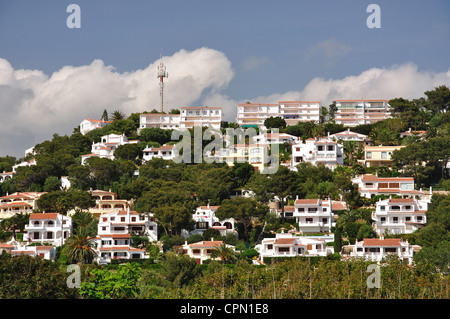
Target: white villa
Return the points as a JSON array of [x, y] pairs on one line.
[[166, 152], [202, 250], [18, 203], [89, 124], [399, 215], [5, 176], [48, 228], [290, 245], [349, 136], [318, 151], [16, 249], [376, 250], [114, 235], [160, 120], [106, 147], [205, 218], [275, 138]]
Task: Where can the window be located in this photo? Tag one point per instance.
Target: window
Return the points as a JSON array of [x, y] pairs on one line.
[[133, 219], [330, 148], [269, 246], [395, 220], [309, 220], [196, 251], [283, 249], [383, 155], [369, 155], [382, 208], [122, 219], [320, 148]]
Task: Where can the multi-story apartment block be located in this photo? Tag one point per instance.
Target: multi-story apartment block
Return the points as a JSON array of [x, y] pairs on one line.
[[315, 215], [375, 156], [370, 186], [189, 117], [358, 112], [318, 151], [399, 215], [114, 235], [202, 250], [289, 245], [376, 250], [166, 152], [160, 120], [18, 203], [254, 114], [107, 146], [89, 124], [49, 228], [203, 116], [205, 218]]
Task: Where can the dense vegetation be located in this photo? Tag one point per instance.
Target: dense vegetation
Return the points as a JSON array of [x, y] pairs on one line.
[[172, 191]]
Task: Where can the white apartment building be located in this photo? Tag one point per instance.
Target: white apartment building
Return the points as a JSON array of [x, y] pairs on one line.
[[89, 124], [18, 203], [370, 185], [290, 245], [202, 250], [315, 215], [160, 120], [377, 250], [204, 116], [399, 215], [114, 235], [166, 152], [205, 218], [254, 114], [318, 151], [48, 228], [107, 146], [357, 112]]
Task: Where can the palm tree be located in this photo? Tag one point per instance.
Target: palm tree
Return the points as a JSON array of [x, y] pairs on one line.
[[349, 148], [225, 253], [78, 247], [117, 115]]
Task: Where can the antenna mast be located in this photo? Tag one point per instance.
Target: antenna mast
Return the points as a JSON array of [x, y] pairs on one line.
[[162, 73]]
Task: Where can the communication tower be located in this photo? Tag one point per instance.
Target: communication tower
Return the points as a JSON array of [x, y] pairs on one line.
[[162, 73]]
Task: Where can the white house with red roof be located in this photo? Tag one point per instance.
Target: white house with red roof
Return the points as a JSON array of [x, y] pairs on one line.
[[316, 215], [5, 176], [290, 245], [114, 235], [318, 151], [166, 152], [399, 215], [205, 218], [16, 249], [202, 250], [349, 136], [89, 124], [19, 202], [107, 146], [377, 249], [370, 185], [275, 138], [48, 228]]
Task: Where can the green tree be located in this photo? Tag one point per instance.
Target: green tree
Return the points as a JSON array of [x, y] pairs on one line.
[[274, 122], [179, 271], [119, 284], [243, 210]]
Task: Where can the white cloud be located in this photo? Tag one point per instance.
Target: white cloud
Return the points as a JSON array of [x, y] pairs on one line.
[[254, 62], [35, 105], [329, 50]]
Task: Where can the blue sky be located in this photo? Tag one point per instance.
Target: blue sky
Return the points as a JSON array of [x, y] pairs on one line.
[[273, 46]]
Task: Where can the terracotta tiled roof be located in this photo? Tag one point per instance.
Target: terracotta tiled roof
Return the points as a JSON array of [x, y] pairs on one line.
[[44, 216], [285, 241], [306, 202], [381, 242]]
